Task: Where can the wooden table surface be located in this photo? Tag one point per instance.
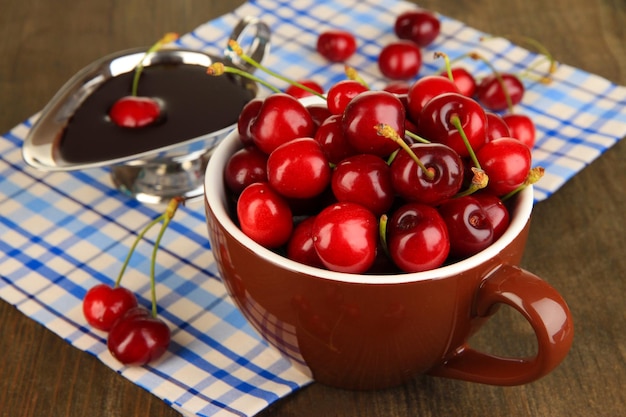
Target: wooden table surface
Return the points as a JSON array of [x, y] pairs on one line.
[[577, 238]]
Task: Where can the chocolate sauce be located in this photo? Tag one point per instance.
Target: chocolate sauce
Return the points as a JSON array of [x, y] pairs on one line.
[[194, 104]]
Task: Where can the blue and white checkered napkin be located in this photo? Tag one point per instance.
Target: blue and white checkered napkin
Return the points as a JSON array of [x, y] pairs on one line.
[[61, 233]]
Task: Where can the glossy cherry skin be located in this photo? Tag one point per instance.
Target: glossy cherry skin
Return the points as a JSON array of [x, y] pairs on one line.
[[300, 247], [331, 138], [319, 113], [298, 169], [336, 45], [248, 114], [413, 184], [341, 93], [417, 238], [496, 127], [507, 162], [135, 112], [298, 92], [364, 179], [491, 94], [424, 89], [419, 26], [104, 305], [400, 60], [464, 80], [469, 227], [280, 119], [244, 167], [137, 338], [435, 122], [345, 236], [364, 113], [264, 215], [497, 212], [522, 128]]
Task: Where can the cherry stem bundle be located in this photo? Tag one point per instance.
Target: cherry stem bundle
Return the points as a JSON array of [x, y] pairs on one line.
[[166, 218], [167, 38]]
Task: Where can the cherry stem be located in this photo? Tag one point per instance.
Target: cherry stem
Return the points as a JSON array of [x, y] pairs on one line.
[[233, 45], [167, 218], [387, 131], [218, 68], [534, 175], [167, 38], [134, 245], [480, 178], [456, 122], [354, 75], [382, 231], [448, 66], [416, 137]]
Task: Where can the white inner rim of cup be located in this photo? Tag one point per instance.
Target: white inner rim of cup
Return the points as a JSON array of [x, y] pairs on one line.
[[215, 195]]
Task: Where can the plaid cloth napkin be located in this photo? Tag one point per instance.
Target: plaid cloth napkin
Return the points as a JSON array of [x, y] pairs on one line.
[[62, 233]]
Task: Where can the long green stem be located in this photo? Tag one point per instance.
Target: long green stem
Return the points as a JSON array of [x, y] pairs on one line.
[[234, 46], [219, 68], [167, 218], [169, 37], [134, 245], [389, 133]]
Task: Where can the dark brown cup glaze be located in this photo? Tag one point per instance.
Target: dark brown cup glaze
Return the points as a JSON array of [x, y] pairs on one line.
[[372, 332]]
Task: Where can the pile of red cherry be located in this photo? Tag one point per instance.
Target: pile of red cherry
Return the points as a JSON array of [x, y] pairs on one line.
[[381, 181]]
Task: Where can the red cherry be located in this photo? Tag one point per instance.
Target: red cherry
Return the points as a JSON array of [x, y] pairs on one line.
[[138, 338], [398, 87], [345, 236], [469, 226], [463, 80], [436, 122], [244, 167], [364, 113], [400, 60], [522, 128], [297, 92], [298, 169], [419, 26], [280, 119], [300, 247], [497, 212], [341, 93], [264, 215], [413, 184], [496, 127], [336, 45], [103, 305], [417, 238], [424, 89], [507, 162], [491, 94], [134, 112], [247, 115], [319, 113], [364, 179], [332, 140]]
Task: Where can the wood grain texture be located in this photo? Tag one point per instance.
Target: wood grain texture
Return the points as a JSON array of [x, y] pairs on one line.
[[576, 243]]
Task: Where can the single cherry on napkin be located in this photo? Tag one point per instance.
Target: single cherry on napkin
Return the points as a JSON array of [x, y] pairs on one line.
[[138, 337], [135, 111]]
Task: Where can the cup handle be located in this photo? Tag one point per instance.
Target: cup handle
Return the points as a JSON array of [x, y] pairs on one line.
[[545, 310], [259, 44]]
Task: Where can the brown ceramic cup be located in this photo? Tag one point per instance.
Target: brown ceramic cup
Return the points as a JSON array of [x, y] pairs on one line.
[[376, 331]]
